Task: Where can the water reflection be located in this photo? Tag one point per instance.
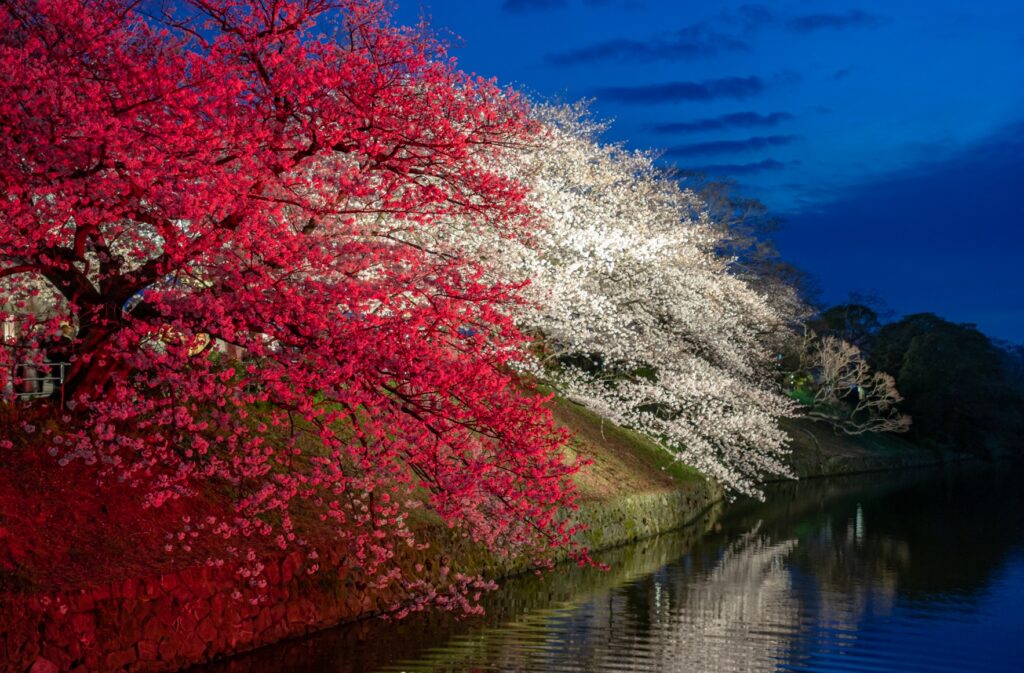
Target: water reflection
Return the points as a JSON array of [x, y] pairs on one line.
[[924, 573], [737, 615]]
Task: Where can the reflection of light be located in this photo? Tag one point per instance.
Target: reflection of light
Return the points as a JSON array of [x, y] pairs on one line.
[[859, 525], [740, 616]]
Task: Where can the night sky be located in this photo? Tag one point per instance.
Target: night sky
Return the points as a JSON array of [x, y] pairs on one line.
[[888, 135]]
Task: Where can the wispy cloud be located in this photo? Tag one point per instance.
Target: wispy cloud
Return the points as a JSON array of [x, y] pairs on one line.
[[632, 4], [739, 169], [727, 121], [675, 92], [939, 261], [697, 41], [520, 6], [746, 19], [750, 16], [854, 18], [730, 146]]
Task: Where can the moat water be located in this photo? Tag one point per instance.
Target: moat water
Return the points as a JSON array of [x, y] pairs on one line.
[[921, 572]]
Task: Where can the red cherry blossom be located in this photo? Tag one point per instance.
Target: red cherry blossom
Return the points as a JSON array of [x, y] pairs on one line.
[[249, 173]]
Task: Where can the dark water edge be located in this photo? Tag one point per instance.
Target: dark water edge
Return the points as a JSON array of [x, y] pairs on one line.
[[921, 570]]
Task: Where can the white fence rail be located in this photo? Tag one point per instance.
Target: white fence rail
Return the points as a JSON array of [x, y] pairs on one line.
[[32, 380]]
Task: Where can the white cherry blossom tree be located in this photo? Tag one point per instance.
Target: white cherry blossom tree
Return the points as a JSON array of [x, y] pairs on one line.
[[848, 394], [636, 316]]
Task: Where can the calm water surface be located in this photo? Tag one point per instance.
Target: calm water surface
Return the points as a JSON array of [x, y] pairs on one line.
[[924, 572]]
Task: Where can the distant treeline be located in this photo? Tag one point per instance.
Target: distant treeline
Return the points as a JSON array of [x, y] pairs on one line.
[[964, 391]]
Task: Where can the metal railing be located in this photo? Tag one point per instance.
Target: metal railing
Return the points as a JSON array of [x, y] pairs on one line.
[[32, 380]]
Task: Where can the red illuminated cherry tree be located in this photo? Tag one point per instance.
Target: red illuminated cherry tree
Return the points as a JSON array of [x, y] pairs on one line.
[[250, 171]]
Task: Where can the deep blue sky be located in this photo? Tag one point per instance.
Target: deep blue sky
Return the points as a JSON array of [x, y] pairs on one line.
[[890, 135]]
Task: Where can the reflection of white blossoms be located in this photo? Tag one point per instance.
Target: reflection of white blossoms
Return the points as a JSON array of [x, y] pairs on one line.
[[741, 616]]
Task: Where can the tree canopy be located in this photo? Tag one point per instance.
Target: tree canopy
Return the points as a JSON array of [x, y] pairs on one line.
[[956, 382], [643, 319], [248, 172]]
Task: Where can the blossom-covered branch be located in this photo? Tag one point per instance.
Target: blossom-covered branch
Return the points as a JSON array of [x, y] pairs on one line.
[[234, 173]]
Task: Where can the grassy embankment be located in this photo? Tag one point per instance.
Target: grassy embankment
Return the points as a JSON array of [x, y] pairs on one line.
[[634, 489]]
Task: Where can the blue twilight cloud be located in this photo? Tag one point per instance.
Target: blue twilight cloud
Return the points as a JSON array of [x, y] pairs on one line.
[[674, 92], [729, 146], [696, 41], [944, 234], [726, 121], [855, 18], [731, 170], [630, 4], [750, 16], [530, 5]]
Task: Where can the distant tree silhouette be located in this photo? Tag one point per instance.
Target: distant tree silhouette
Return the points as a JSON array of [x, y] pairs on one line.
[[856, 324], [955, 383]]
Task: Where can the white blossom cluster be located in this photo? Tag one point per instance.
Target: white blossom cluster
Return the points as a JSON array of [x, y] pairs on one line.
[[622, 273]]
